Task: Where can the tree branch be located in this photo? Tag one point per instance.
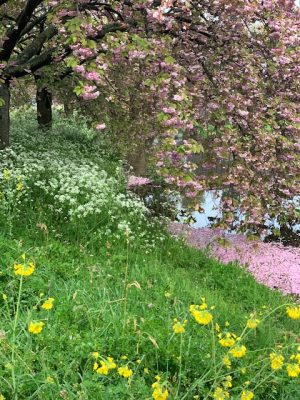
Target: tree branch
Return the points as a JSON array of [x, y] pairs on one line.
[[115, 27], [33, 65], [36, 45], [30, 26], [14, 33]]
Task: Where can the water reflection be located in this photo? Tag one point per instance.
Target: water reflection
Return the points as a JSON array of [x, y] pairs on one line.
[[209, 213]]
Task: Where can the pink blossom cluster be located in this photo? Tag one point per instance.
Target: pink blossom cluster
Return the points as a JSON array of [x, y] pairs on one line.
[[137, 54], [89, 76], [90, 92], [54, 3], [65, 13], [82, 52], [135, 181], [272, 264]]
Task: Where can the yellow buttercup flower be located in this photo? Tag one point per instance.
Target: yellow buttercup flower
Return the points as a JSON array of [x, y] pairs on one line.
[[203, 317], [238, 351], [24, 269], [293, 370], [227, 362], [293, 312], [95, 354], [247, 395], [159, 393], [227, 383], [106, 365], [110, 363], [227, 341], [48, 304], [95, 366], [276, 361], [125, 372], [36, 327], [252, 323], [220, 394], [103, 370], [178, 327], [49, 379], [4, 297]]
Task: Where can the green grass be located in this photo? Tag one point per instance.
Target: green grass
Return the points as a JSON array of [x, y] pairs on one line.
[[88, 287], [119, 297]]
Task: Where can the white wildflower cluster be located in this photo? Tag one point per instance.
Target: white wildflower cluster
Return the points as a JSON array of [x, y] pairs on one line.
[[71, 180], [65, 178], [77, 188]]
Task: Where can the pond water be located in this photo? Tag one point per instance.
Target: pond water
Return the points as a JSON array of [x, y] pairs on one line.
[[210, 203], [210, 212]]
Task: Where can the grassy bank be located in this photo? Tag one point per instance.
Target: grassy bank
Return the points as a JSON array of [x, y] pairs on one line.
[[118, 282]]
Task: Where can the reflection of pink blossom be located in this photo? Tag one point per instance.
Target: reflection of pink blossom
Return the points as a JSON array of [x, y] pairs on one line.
[[191, 195], [100, 127], [134, 181]]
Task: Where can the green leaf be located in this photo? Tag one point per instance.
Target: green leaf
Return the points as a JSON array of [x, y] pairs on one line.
[[78, 90], [170, 60], [71, 62], [162, 117]]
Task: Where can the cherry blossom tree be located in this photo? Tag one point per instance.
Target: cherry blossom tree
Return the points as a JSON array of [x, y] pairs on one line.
[[180, 74], [39, 33]]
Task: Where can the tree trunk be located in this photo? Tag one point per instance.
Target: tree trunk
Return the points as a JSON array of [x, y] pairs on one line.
[[44, 108], [4, 114], [68, 109], [137, 159]]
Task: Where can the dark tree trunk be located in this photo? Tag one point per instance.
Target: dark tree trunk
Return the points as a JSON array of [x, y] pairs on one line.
[[4, 115], [44, 108], [68, 109]]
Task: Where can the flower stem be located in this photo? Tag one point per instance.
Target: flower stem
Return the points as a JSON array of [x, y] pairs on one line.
[[125, 286], [180, 366], [14, 382]]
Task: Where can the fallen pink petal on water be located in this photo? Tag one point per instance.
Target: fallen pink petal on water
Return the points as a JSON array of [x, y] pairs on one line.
[[272, 264]]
